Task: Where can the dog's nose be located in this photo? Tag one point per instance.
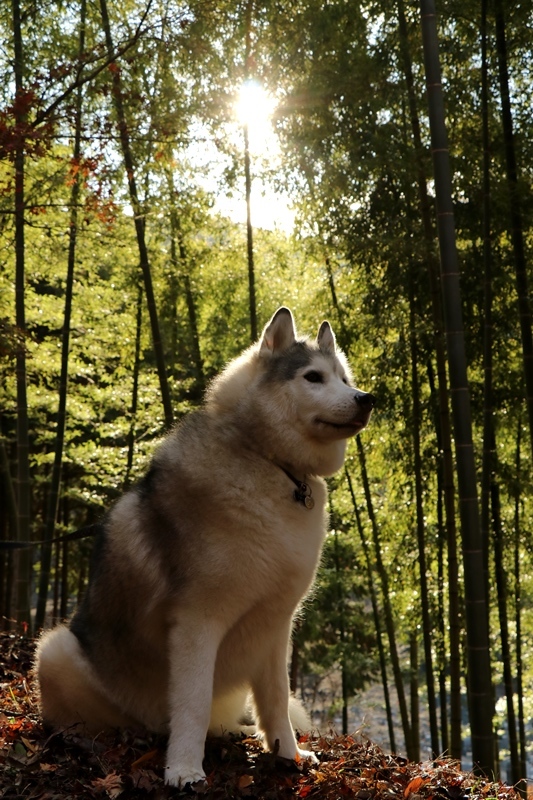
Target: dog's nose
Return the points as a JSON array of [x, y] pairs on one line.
[[365, 399]]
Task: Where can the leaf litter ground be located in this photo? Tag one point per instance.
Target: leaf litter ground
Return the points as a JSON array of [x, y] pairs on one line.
[[42, 765]]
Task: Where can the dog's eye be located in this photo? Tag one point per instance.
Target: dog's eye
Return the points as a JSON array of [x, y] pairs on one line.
[[345, 380], [314, 377]]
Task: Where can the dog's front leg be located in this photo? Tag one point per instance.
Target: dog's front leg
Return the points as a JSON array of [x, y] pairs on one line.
[[193, 646], [271, 694]]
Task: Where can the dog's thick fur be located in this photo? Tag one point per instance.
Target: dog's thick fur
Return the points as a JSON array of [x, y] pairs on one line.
[[199, 569]]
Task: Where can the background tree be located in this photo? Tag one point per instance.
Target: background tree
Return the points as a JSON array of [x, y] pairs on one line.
[[479, 672], [53, 493], [23, 99]]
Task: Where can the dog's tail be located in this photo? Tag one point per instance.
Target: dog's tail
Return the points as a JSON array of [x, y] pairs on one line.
[[68, 689], [300, 719]]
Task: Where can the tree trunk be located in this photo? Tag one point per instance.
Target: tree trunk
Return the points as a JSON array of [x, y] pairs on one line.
[[135, 387], [181, 268], [10, 507], [139, 220], [441, 623], [22, 557], [53, 494], [427, 627], [55, 590], [342, 633], [501, 587], [478, 651], [65, 554], [342, 337], [518, 608], [248, 180], [9, 510], [515, 214], [488, 464], [376, 615], [387, 607], [447, 491], [413, 690], [443, 426]]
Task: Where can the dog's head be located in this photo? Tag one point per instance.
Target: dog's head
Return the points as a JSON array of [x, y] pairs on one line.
[[295, 397], [317, 375]]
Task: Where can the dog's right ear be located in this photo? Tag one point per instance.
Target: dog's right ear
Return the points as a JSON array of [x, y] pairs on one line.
[[279, 333]]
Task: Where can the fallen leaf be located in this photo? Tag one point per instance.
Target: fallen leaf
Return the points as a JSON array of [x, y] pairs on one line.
[[414, 785], [31, 746], [145, 779], [144, 758], [318, 775], [245, 781], [111, 785]]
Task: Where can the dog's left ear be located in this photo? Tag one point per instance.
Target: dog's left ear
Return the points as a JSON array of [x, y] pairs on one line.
[[279, 333], [326, 339]]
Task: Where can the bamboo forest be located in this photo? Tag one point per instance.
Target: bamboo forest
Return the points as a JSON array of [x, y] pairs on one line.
[[173, 172]]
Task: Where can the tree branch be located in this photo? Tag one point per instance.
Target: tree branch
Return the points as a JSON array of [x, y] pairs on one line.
[[81, 81]]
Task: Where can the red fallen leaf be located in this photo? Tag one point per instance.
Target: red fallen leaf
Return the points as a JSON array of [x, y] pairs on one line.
[[304, 791], [144, 758], [414, 785]]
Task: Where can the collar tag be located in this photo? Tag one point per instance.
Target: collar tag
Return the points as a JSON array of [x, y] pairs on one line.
[[302, 493]]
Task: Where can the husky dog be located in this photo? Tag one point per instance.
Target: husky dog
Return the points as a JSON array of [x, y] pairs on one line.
[[200, 568]]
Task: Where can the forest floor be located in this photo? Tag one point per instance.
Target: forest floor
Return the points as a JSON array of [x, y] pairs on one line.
[[60, 765]]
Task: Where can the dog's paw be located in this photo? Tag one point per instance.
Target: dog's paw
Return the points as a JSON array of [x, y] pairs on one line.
[[305, 755], [182, 775]]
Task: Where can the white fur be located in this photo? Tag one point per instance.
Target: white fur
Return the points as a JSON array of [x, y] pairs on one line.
[[211, 596]]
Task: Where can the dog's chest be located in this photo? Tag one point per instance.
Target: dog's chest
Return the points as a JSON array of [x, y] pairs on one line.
[[246, 528], [277, 548]]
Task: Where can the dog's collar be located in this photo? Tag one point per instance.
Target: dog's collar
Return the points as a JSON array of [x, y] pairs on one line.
[[302, 493]]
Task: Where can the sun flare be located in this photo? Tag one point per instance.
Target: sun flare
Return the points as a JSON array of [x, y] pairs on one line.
[[254, 108]]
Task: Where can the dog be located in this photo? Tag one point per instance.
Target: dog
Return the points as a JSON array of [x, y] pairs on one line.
[[201, 567]]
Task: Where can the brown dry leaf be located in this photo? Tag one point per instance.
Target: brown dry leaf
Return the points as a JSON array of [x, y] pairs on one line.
[[245, 781], [144, 779], [31, 746], [111, 785], [318, 775]]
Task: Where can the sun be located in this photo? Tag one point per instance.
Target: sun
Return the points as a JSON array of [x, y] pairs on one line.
[[254, 109]]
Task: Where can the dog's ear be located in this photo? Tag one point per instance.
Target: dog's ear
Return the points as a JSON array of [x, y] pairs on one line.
[[326, 338], [279, 333]]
